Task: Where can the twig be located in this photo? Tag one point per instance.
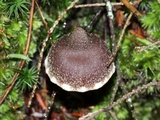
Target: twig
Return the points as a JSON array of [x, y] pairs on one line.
[[119, 40], [118, 80], [96, 5], [40, 101], [44, 21], [113, 43], [129, 100], [47, 28], [110, 16], [25, 53], [113, 115], [122, 33], [140, 49], [44, 45], [124, 97], [100, 4], [93, 19], [50, 105], [133, 9], [115, 89]]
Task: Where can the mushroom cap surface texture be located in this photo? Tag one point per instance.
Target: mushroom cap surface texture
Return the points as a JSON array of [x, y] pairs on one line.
[[78, 62]]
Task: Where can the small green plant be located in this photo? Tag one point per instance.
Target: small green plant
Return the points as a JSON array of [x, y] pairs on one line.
[[27, 78], [16, 8], [151, 20]]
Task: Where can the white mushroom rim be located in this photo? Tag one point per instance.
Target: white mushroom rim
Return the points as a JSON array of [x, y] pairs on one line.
[[79, 89]]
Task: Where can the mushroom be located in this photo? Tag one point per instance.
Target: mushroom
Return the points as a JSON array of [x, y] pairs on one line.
[[78, 62]]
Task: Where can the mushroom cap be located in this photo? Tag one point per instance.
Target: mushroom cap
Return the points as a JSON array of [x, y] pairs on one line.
[[78, 62]]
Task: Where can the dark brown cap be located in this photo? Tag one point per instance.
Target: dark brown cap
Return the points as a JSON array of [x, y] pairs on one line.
[[78, 62]]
